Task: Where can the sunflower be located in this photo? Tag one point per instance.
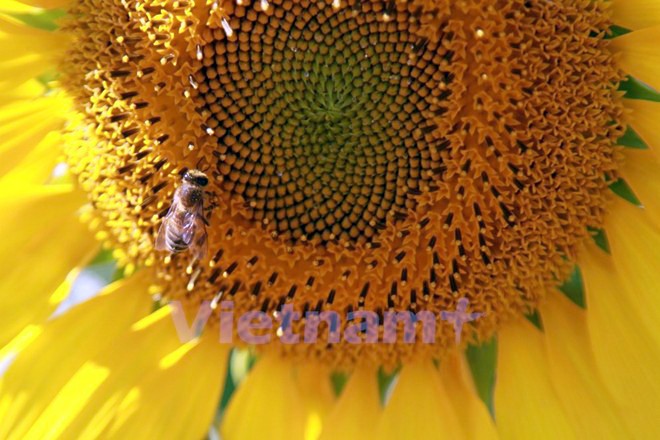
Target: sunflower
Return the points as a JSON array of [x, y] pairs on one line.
[[363, 157]]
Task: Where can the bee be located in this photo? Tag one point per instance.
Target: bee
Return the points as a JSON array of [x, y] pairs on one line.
[[184, 225]]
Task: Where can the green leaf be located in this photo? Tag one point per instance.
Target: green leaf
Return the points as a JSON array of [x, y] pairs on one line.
[[104, 256], [617, 31], [573, 288], [338, 381], [623, 190], [385, 382], [482, 360], [636, 89], [535, 318], [120, 274], [45, 20], [631, 139], [227, 391], [600, 238]]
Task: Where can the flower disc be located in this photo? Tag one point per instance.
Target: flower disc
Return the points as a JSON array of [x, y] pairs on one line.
[[361, 154]]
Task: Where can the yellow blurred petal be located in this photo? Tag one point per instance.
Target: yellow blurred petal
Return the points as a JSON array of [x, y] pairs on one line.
[[25, 122], [471, 411], [22, 340], [14, 6], [43, 244], [266, 405], [419, 407], [644, 119], [27, 90], [28, 206], [642, 172], [580, 388], [70, 401], [634, 240], [11, 26], [26, 52], [137, 382], [28, 102], [635, 14], [23, 106], [526, 405], [38, 164], [18, 69], [626, 353], [30, 123], [640, 54], [313, 381], [126, 359], [358, 409], [178, 397], [20, 40], [60, 362], [47, 4], [145, 369]]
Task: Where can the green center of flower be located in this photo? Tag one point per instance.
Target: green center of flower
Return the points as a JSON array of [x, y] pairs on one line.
[[324, 119]]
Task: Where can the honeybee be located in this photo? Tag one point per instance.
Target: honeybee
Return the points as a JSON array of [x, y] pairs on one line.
[[184, 225]]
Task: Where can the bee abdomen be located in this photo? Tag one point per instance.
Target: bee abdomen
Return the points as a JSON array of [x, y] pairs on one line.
[[175, 241]]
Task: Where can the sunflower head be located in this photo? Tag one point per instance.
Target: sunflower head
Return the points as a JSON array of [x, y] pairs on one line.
[[395, 189], [360, 154]]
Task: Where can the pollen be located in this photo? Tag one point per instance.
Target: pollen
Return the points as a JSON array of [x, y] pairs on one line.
[[362, 155]]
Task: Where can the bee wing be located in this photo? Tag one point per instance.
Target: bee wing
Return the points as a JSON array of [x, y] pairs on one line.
[[189, 227], [161, 239], [199, 245]]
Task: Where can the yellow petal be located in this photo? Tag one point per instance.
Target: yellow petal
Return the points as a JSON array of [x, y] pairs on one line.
[[626, 354], [357, 411], [27, 39], [176, 398], [640, 54], [47, 4], [26, 52], [642, 172], [643, 118], [24, 209], [130, 357], [14, 6], [39, 257], [13, 348], [313, 381], [526, 405], [28, 90], [471, 411], [38, 165], [580, 387], [24, 124], [142, 384], [267, 404], [46, 373], [634, 240], [130, 381], [24, 102], [419, 408], [635, 14], [30, 138]]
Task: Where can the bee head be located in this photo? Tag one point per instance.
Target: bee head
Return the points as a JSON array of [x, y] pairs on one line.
[[196, 177]]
